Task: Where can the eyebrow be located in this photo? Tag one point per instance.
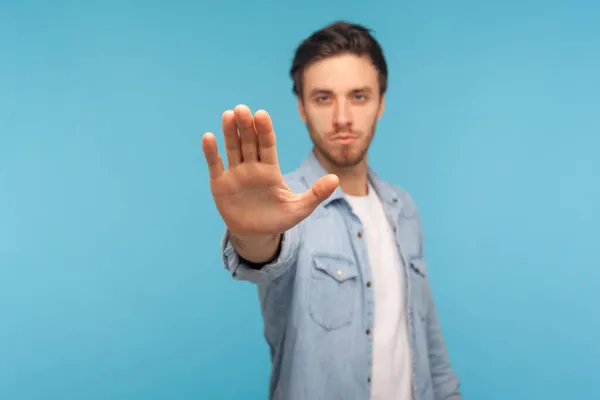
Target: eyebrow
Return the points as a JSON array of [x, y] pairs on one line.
[[318, 91]]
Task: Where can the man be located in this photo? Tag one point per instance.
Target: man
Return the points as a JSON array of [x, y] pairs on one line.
[[336, 253]]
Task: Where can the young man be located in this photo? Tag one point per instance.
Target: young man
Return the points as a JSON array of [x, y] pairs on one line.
[[336, 253]]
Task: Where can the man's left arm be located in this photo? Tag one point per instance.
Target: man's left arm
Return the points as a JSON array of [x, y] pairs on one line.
[[445, 382]]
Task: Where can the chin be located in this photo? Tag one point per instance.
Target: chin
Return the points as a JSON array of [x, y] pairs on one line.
[[347, 160]]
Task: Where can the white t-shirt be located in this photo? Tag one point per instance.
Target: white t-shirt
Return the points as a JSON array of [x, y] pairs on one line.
[[391, 374]]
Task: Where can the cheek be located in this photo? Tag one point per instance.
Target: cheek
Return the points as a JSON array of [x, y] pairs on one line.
[[319, 120], [369, 119]]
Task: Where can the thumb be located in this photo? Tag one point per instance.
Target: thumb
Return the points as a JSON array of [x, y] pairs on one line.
[[319, 192]]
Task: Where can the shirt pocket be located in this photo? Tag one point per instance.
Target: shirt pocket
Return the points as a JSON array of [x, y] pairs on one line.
[[333, 287]]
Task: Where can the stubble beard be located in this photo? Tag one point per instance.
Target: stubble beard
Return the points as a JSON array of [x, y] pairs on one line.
[[346, 156]]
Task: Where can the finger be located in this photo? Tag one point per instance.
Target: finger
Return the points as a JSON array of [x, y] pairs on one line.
[[245, 124], [233, 147], [319, 192], [267, 148], [212, 156]]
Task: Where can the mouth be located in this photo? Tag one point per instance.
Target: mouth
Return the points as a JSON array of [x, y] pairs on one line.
[[343, 139]]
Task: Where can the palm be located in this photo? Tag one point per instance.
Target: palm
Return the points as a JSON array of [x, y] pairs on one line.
[[251, 195], [254, 199]]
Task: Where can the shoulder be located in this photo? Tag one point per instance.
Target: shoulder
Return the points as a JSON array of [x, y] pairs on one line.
[[406, 200]]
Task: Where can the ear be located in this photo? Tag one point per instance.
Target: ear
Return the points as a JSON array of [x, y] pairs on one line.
[[381, 106], [301, 109]]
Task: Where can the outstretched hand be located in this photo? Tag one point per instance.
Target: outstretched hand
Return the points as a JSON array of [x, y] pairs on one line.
[[251, 195]]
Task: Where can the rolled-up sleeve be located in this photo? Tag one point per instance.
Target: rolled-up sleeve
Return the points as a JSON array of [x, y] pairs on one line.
[[241, 271]]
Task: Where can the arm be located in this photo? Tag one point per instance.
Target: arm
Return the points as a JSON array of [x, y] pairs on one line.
[[445, 382], [257, 251], [258, 265]]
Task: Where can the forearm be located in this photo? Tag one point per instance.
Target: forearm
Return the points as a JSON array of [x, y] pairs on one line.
[[256, 249]]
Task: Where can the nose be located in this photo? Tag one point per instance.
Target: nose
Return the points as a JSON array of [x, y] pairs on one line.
[[342, 118]]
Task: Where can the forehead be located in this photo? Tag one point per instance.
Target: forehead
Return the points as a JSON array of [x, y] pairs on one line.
[[341, 73]]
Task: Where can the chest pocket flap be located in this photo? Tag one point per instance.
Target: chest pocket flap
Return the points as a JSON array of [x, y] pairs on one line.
[[339, 268]]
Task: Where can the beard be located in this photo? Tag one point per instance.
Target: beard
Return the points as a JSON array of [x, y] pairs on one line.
[[343, 156]]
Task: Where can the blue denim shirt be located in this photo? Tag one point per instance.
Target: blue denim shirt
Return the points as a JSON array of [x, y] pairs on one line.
[[317, 320]]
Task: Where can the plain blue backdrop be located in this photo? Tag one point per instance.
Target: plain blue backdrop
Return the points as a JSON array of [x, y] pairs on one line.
[[111, 284]]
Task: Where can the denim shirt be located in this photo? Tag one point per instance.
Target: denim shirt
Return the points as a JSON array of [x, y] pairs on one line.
[[317, 303]]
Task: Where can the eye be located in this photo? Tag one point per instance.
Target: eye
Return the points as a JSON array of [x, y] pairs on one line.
[[360, 97], [322, 99]]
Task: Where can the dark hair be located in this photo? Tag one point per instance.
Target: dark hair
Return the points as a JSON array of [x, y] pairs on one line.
[[338, 38]]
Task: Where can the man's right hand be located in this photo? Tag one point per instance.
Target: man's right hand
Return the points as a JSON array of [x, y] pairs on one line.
[[251, 195]]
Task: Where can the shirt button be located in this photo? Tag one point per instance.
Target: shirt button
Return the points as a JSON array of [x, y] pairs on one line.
[[395, 200], [394, 229], [369, 379], [368, 331], [359, 234], [369, 284]]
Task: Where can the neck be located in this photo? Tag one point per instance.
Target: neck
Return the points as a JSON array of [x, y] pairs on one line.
[[353, 180]]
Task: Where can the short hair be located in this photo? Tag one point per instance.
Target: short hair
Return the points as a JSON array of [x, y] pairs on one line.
[[338, 38]]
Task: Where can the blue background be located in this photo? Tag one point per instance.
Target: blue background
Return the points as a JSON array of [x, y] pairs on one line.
[[111, 285]]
